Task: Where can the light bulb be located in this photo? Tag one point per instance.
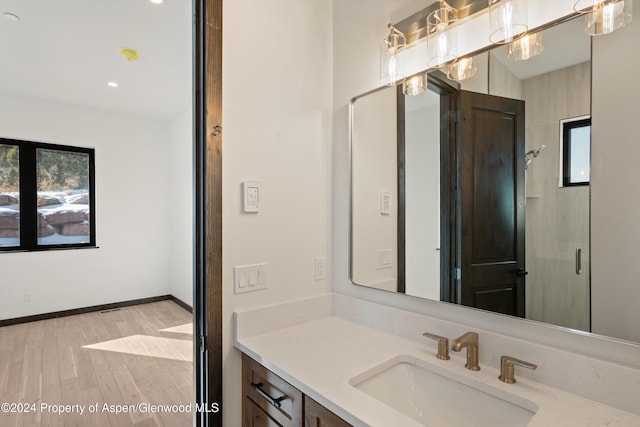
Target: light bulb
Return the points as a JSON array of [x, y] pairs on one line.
[[415, 85], [526, 47]]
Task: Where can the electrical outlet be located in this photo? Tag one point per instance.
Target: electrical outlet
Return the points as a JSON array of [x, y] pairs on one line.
[[27, 297], [384, 259], [320, 268]]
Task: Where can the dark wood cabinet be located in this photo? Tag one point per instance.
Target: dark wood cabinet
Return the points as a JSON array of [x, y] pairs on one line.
[[316, 415], [254, 416], [269, 401], [279, 400]]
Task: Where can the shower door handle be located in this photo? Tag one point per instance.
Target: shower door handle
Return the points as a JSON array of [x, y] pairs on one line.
[[578, 261]]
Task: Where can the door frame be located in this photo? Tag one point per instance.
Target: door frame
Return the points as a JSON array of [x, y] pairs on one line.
[[207, 161], [449, 218]]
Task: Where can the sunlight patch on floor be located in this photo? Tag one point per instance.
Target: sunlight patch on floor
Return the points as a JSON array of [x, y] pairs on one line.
[[144, 345], [187, 328]]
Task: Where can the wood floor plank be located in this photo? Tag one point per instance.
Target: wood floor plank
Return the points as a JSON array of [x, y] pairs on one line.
[[90, 397], [9, 419], [52, 396], [5, 358], [49, 362]]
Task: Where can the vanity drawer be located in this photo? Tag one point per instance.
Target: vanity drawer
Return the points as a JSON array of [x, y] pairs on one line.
[[267, 391]]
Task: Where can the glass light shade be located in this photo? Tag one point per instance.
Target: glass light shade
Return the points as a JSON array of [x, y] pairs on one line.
[[442, 37], [526, 47], [391, 64], [605, 16], [462, 69], [415, 85], [508, 20]]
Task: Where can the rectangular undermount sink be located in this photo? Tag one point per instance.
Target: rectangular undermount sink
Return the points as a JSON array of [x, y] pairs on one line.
[[435, 397]]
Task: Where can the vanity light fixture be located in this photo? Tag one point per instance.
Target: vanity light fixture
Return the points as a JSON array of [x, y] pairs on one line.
[[415, 85], [112, 84], [526, 47], [604, 16], [508, 20], [442, 37], [391, 65], [462, 69]]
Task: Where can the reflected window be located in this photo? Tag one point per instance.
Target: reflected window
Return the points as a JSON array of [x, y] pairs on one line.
[[576, 152], [46, 196]]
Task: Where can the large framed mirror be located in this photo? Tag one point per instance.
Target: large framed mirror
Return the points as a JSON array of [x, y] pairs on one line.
[[476, 191]]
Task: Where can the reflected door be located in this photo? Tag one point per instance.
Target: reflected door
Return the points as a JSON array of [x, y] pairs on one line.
[[492, 204]]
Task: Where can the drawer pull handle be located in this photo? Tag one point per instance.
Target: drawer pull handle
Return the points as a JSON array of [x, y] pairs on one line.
[[275, 401]]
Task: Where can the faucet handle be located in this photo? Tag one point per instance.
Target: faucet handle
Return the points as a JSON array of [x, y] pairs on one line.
[[443, 345], [507, 368]]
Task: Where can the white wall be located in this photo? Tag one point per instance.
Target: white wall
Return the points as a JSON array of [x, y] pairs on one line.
[[374, 147], [181, 208], [277, 68], [614, 174], [502, 82], [422, 204], [132, 211]]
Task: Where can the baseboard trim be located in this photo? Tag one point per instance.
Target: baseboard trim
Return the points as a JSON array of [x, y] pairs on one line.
[[102, 307], [181, 303]]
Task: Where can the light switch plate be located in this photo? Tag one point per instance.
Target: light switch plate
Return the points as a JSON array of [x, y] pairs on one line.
[[252, 196], [249, 278], [385, 203]]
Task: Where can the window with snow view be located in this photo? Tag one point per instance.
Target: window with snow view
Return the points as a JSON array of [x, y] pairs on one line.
[[46, 196]]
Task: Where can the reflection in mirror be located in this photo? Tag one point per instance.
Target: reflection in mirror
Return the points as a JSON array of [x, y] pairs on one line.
[[401, 185], [556, 87], [422, 177], [374, 189]]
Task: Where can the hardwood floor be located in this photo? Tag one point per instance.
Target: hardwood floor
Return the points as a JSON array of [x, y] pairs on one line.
[[139, 355]]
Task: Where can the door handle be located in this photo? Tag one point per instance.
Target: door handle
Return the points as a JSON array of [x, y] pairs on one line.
[[578, 261], [522, 272]]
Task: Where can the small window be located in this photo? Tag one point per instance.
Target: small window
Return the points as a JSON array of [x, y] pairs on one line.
[[576, 151], [46, 196], [9, 196]]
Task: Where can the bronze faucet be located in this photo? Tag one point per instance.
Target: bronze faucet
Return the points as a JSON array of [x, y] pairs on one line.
[[507, 367], [470, 341], [443, 345]]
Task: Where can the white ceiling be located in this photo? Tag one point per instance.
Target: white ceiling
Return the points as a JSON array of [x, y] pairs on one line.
[[69, 49], [564, 45]]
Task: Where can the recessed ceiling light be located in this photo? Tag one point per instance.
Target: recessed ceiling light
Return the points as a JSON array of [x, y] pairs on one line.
[[156, 1], [112, 84], [11, 17]]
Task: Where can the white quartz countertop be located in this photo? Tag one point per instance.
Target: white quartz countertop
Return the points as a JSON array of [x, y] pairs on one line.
[[321, 356]]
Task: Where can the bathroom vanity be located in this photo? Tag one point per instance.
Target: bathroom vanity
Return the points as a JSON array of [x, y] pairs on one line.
[[268, 400], [362, 364]]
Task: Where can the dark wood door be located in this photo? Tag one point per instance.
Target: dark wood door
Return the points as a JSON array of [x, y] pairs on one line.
[[492, 203]]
